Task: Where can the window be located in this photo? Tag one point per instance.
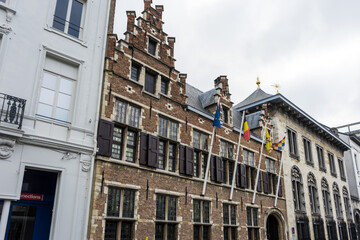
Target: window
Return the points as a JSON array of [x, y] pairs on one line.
[[118, 144], [135, 71], [227, 152], [337, 200], [57, 90], [252, 223], [248, 157], [292, 143], [270, 165], [167, 150], [313, 194], [150, 82], [68, 16], [168, 128], [307, 150], [341, 168], [165, 227], [298, 191], [225, 114], [318, 227], [152, 47], [302, 227], [200, 144], [164, 86], [127, 114], [251, 177], [326, 198], [347, 204], [332, 164], [320, 155], [343, 230], [229, 221], [201, 219], [120, 214], [331, 229]]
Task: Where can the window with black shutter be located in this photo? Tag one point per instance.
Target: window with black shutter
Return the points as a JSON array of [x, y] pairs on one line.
[[150, 80], [120, 213], [265, 177], [229, 221], [227, 154], [259, 185], [153, 147], [168, 144], [201, 219], [166, 220], [186, 160], [105, 137]]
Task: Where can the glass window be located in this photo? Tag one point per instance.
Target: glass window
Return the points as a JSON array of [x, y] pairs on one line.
[[248, 157], [307, 150], [117, 143], [292, 143], [229, 220], [313, 194], [152, 47], [132, 117], [164, 86], [332, 164], [270, 165], [326, 197], [201, 219], [166, 213], [135, 72], [252, 223], [150, 82], [320, 155], [68, 16], [168, 128], [130, 146], [298, 191], [341, 168]]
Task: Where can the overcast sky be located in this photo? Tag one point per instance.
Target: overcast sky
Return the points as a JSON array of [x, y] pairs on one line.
[[310, 48]]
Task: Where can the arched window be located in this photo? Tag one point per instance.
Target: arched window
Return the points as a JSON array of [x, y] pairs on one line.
[[347, 203], [337, 199], [313, 194], [326, 197], [298, 190]]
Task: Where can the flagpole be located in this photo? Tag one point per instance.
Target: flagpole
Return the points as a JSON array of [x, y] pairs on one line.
[[258, 170], [236, 157], [208, 160], [279, 177]]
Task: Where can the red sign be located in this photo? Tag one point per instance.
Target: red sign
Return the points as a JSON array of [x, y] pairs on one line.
[[32, 196]]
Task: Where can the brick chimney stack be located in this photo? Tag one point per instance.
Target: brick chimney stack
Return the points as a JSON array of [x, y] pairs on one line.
[[171, 42], [159, 9], [147, 4], [131, 15], [222, 84]]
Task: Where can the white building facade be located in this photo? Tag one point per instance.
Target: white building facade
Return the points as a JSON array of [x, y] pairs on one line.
[[51, 65]]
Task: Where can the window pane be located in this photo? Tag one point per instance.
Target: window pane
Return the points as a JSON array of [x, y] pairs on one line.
[[160, 207], [62, 114], [152, 47], [75, 18], [120, 108], [223, 149], [134, 72], [197, 211], [149, 83], [172, 154], [248, 214], [130, 146], [49, 81], [171, 232], [255, 216], [203, 165], [163, 127], [44, 110], [196, 139], [159, 231], [226, 214], [47, 96], [128, 205], [117, 143], [161, 155], [204, 141], [197, 232], [64, 101], [206, 234], [126, 229], [60, 14], [110, 230], [206, 212], [134, 116], [173, 130], [233, 214], [113, 203], [164, 86], [66, 86], [172, 208], [196, 163]]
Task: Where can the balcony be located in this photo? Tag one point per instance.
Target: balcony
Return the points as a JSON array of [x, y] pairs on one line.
[[12, 110]]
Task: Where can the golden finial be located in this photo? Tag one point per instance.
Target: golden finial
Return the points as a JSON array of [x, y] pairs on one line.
[[258, 82], [277, 86]]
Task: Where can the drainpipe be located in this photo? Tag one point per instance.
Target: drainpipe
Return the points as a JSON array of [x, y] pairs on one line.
[[4, 218]]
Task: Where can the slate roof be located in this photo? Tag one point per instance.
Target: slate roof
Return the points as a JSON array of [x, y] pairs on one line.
[[257, 95]]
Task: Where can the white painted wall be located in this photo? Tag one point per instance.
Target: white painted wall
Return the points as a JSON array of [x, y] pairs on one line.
[[26, 39]]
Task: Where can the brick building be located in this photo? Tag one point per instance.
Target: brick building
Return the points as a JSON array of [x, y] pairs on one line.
[[154, 138]]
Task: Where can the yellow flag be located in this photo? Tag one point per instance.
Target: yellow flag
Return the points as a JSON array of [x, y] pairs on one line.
[[268, 142]]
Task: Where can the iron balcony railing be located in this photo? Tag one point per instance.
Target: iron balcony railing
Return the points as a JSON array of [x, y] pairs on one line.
[[12, 109]]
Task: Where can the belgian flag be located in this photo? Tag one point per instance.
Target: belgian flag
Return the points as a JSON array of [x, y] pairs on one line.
[[246, 131]]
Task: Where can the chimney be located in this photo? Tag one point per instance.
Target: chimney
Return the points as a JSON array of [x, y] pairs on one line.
[[131, 15], [111, 17], [222, 84], [159, 9], [147, 4], [171, 42]]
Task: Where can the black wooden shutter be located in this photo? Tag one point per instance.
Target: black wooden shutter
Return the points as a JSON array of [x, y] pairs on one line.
[[219, 170], [153, 151], [238, 178], [143, 148], [259, 187], [213, 168], [105, 137], [280, 193], [243, 178], [182, 161], [189, 161], [266, 182]]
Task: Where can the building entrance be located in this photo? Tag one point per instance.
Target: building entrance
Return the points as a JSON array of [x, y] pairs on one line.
[[30, 217], [272, 228]]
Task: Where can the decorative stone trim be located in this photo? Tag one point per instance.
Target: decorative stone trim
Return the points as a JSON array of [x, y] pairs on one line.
[[7, 148]]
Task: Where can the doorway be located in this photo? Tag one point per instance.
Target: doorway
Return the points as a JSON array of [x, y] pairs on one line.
[[272, 228], [30, 217]]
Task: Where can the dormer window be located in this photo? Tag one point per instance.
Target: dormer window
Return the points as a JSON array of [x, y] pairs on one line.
[[135, 72], [152, 47]]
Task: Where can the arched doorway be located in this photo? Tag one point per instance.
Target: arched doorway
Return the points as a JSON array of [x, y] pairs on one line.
[[272, 228]]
